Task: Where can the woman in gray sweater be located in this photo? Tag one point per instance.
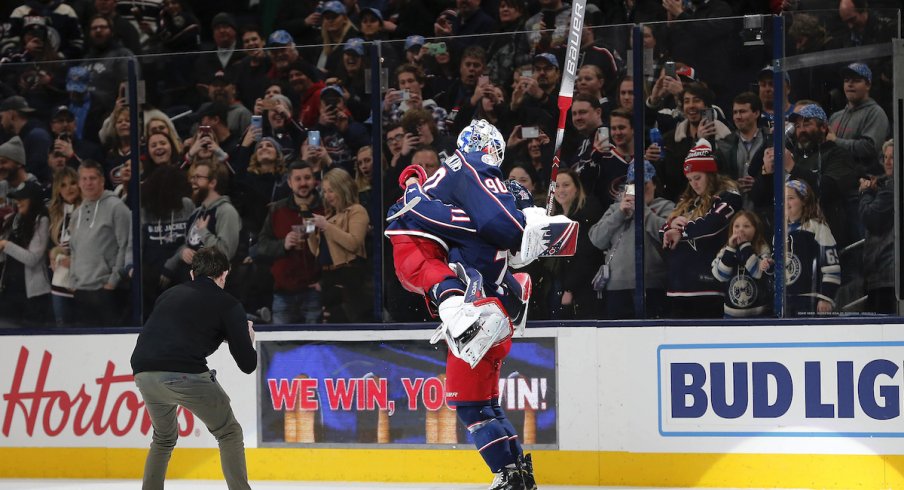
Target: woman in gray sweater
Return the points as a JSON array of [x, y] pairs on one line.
[[25, 297], [614, 232]]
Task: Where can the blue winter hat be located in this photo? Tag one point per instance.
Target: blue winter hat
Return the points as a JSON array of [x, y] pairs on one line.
[[335, 7], [649, 171], [331, 88], [548, 57], [280, 38], [370, 10], [810, 111], [858, 70], [355, 45], [414, 42]]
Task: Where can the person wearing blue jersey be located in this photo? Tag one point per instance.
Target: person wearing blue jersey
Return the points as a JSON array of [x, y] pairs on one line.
[[812, 270], [448, 253], [694, 233]]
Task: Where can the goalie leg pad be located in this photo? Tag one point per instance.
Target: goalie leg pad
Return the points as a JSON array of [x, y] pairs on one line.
[[471, 329], [489, 434]]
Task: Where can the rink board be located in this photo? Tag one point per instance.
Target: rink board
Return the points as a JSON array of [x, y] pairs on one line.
[[791, 406]]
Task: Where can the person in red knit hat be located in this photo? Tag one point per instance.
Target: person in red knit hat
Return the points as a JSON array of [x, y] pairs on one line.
[[694, 233]]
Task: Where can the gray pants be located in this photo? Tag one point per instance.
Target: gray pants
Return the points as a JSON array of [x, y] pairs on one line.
[[163, 393]]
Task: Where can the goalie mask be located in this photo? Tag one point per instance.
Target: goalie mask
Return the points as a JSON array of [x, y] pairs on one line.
[[481, 136]]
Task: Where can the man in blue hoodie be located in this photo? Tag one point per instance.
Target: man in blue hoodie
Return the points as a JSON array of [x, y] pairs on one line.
[[100, 240]]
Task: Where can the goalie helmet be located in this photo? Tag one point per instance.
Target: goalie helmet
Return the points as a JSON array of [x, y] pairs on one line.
[[481, 136]]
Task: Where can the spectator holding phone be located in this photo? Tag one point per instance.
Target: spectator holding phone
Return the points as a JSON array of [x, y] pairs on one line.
[[276, 121], [460, 25], [700, 123], [283, 240], [531, 145], [614, 233], [411, 81], [460, 97], [213, 139], [340, 134], [505, 53], [549, 26]]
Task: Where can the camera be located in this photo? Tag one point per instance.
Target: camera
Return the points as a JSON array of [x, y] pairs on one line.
[[752, 34]]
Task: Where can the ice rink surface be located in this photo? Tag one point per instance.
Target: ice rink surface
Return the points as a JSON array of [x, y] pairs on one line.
[[264, 485]]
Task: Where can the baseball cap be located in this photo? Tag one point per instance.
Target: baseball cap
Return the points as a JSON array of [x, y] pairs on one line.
[[649, 171], [330, 90], [28, 190], [414, 42], [810, 111], [15, 103], [858, 70], [58, 110], [77, 79], [356, 45], [769, 71], [223, 18], [220, 77], [280, 38], [548, 57], [370, 10], [335, 7], [687, 72]]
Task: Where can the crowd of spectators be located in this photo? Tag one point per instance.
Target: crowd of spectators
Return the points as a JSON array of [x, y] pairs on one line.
[[256, 126]]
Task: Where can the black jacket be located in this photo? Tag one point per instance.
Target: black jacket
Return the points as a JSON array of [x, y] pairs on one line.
[[188, 323]]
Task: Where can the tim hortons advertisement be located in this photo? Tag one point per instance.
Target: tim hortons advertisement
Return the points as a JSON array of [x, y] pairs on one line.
[[78, 391], [391, 393]]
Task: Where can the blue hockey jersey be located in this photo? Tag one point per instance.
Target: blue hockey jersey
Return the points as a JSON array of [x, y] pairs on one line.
[[812, 268], [467, 182]]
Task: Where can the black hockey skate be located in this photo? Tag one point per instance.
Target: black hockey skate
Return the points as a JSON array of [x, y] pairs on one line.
[[527, 472], [508, 479]]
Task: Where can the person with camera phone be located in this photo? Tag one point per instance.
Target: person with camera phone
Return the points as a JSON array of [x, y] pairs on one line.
[[614, 233], [340, 134], [213, 139], [467, 20]]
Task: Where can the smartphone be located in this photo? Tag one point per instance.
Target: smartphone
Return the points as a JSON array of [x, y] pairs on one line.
[[603, 135], [549, 18], [483, 80], [313, 138], [205, 131], [256, 123], [629, 189], [670, 69], [406, 95], [530, 132], [527, 73], [65, 137], [709, 114], [656, 137], [440, 48]]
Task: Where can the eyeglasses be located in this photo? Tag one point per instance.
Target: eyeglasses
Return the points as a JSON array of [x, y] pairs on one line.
[[397, 137], [198, 177]]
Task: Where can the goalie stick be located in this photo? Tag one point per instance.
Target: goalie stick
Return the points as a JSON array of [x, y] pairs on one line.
[[566, 91]]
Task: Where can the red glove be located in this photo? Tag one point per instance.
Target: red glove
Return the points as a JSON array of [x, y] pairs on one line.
[[412, 171]]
